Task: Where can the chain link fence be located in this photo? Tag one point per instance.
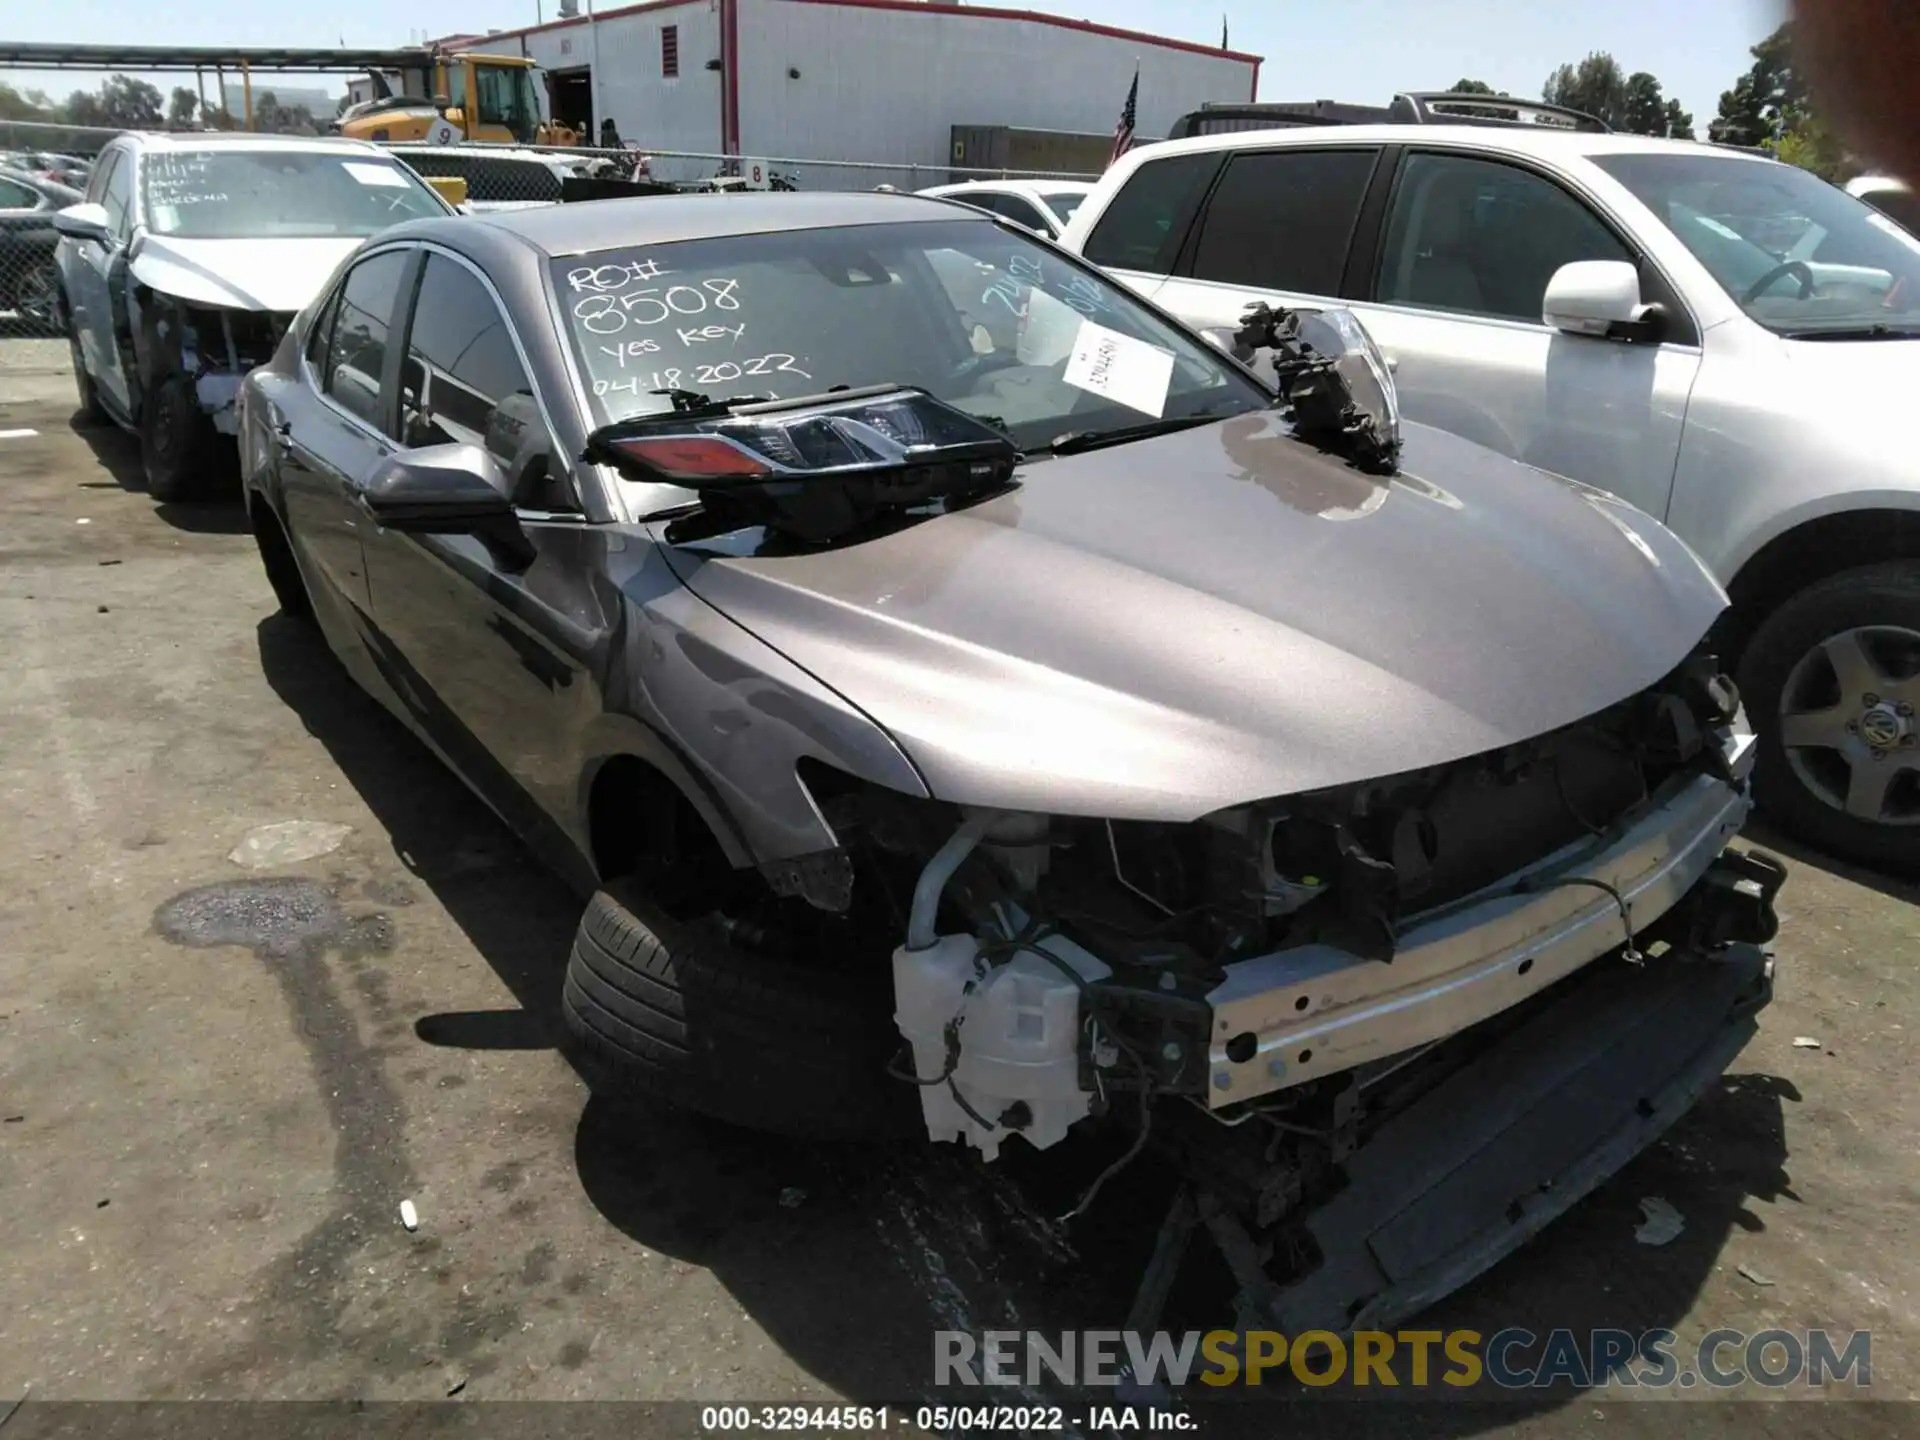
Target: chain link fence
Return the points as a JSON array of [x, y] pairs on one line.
[[44, 167]]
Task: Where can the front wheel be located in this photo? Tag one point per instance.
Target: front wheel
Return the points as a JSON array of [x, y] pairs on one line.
[[673, 1011], [1832, 684], [176, 441]]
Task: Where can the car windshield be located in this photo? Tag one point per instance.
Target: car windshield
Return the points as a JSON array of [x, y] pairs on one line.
[[1063, 202], [247, 194], [979, 317], [1798, 255]]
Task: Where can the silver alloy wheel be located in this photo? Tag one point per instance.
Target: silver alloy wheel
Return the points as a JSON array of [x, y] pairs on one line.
[[1848, 724], [37, 300]]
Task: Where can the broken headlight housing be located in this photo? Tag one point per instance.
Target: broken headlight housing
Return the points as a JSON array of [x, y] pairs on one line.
[[813, 468], [1332, 376]]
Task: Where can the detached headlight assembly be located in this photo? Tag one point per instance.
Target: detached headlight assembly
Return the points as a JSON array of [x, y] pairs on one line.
[[1333, 377]]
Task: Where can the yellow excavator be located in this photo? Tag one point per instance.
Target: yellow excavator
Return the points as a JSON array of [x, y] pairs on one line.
[[435, 94]]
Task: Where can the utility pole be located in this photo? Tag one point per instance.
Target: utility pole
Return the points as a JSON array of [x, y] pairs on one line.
[[593, 69]]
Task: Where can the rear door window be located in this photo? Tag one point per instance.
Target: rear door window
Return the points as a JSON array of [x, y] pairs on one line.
[[1142, 226], [1284, 219]]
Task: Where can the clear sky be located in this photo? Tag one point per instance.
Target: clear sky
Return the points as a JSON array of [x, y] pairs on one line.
[[1353, 50]]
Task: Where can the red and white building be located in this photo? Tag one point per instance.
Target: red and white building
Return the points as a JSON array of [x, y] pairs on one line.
[[880, 80]]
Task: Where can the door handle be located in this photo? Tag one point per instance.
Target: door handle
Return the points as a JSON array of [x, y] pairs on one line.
[[1393, 362], [283, 435]]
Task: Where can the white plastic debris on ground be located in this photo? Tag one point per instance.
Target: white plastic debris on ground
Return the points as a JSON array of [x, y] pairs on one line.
[[288, 843]]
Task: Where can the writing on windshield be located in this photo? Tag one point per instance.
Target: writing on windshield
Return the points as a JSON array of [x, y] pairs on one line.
[[980, 318], [654, 330]]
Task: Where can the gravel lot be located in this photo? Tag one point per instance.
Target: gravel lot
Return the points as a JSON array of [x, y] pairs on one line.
[[206, 1144]]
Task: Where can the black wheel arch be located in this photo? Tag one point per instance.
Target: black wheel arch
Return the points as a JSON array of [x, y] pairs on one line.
[[1810, 552]]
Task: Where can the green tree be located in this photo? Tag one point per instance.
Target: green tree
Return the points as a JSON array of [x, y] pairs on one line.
[[182, 107], [1479, 87], [1806, 141], [1762, 102], [1645, 109], [272, 118], [122, 103], [1596, 86], [25, 104], [1679, 122]]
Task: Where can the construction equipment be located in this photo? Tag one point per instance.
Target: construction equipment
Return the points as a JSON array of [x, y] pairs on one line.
[[444, 95]]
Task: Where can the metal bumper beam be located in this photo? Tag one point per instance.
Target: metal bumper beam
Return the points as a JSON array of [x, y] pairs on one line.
[[1283, 1019]]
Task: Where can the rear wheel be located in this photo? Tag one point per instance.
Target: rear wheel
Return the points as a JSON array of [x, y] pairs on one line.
[[675, 1011], [1832, 683], [176, 441]]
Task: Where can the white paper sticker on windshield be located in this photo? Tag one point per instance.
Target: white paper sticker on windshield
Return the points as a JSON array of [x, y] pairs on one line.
[[385, 175], [1120, 368]]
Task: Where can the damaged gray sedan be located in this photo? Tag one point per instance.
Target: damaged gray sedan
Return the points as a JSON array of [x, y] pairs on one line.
[[973, 702], [185, 264]]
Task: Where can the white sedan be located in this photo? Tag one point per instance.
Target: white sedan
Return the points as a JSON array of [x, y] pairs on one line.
[[1042, 206]]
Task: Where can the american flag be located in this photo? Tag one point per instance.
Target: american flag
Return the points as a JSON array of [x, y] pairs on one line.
[[1123, 132]]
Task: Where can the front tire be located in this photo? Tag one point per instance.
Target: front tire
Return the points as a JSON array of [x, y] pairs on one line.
[[670, 1011], [1832, 685], [176, 441], [277, 558]]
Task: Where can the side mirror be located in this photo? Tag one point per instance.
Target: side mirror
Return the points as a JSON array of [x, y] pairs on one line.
[[448, 490], [1599, 298], [85, 221], [438, 490]]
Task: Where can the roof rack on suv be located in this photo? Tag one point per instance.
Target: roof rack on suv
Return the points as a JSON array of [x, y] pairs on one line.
[[1413, 107]]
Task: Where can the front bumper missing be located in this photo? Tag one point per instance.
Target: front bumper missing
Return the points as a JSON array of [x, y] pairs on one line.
[[1283, 1019], [1511, 1141]]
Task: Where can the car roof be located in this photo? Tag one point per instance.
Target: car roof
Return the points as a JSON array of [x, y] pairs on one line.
[[663, 219], [1027, 186], [35, 182], [156, 140], [1543, 141]]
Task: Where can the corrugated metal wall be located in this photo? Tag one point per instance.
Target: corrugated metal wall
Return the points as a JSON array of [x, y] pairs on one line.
[[873, 83], [667, 114], [889, 84]]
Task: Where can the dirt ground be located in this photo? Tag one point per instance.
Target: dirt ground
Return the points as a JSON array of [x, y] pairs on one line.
[[207, 1134]]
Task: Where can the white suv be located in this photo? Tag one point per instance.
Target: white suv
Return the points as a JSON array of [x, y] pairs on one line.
[[1725, 341]]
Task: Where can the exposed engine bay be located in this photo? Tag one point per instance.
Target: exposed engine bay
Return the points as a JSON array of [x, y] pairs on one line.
[[1260, 994], [1265, 961], [212, 346]]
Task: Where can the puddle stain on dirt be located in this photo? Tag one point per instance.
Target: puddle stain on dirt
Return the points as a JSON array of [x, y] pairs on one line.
[[315, 1301]]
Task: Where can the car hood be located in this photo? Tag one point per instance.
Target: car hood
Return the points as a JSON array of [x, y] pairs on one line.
[[1165, 628], [262, 274]]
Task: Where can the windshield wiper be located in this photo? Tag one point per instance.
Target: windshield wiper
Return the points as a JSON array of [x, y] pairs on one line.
[[692, 405], [1878, 331], [1075, 441]]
